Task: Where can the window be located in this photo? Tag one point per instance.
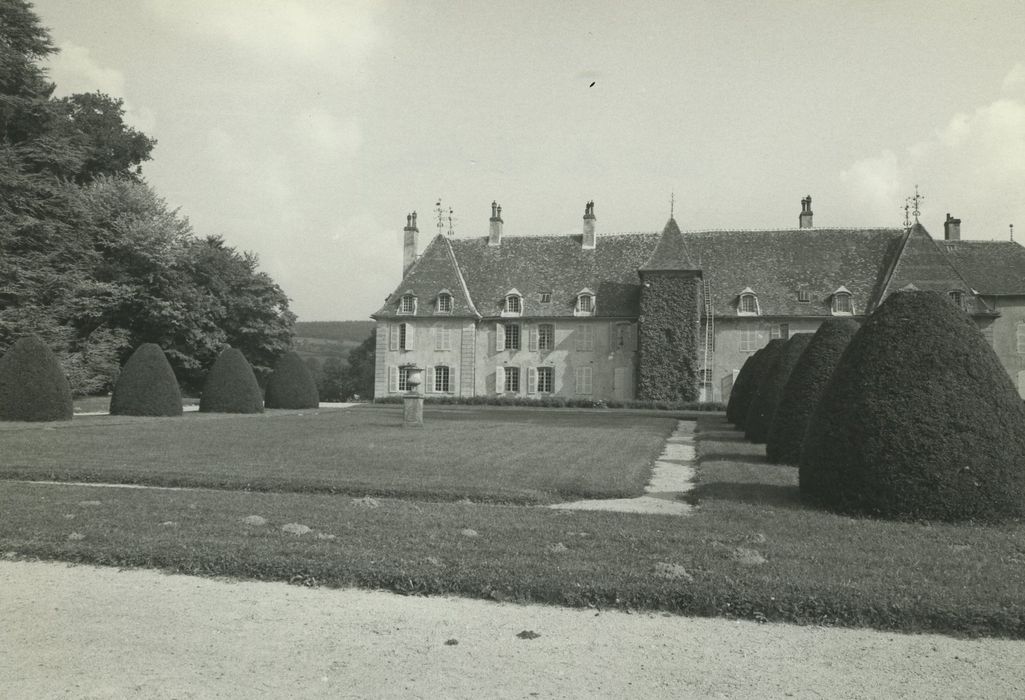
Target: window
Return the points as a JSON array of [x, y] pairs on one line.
[[842, 303], [623, 338], [545, 380], [407, 305], [512, 336], [803, 297], [1019, 336], [585, 338], [748, 340], [585, 303], [582, 375], [545, 336], [442, 379], [546, 297], [958, 298], [442, 338], [444, 303], [512, 304], [780, 330], [404, 378], [706, 376], [512, 380], [748, 304]]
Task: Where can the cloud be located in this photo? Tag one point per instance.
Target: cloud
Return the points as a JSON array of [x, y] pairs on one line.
[[317, 31], [74, 70], [973, 166]]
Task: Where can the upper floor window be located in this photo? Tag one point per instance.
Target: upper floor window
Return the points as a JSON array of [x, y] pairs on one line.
[[779, 330], [512, 336], [513, 304], [546, 336], [842, 304], [748, 303], [546, 297], [958, 298], [585, 339], [407, 305], [585, 303], [1019, 338], [803, 297], [444, 303]]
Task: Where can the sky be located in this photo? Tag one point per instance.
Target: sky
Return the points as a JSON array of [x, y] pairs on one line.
[[305, 130]]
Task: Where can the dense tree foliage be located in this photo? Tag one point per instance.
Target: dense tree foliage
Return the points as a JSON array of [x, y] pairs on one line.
[[32, 384], [92, 261], [919, 420]]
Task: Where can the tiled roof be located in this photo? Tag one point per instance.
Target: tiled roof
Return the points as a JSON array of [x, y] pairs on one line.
[[776, 265], [922, 263], [990, 267], [435, 271], [671, 252]]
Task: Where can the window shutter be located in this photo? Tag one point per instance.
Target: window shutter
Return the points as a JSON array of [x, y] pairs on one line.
[[532, 342], [576, 380], [393, 338], [429, 381], [393, 379], [410, 337], [532, 380], [499, 337], [453, 377], [499, 380], [436, 335]]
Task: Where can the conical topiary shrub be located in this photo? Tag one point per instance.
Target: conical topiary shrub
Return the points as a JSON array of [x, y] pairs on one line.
[[804, 388], [291, 385], [766, 400], [920, 420], [231, 386], [147, 385], [33, 387], [742, 391], [758, 376]]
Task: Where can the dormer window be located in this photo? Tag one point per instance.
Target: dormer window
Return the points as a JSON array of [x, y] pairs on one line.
[[546, 297], [958, 298], [444, 303], [585, 303], [747, 304], [407, 305], [513, 305], [803, 297], [842, 303]]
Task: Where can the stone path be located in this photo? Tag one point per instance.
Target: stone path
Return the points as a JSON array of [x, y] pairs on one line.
[[672, 478]]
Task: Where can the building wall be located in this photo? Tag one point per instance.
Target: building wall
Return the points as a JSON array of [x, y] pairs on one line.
[[611, 359], [1003, 334], [426, 351]]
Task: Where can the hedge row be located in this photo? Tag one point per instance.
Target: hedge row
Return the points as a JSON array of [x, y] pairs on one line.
[[561, 402]]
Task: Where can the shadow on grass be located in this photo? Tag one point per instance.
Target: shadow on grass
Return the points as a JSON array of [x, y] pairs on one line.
[[751, 494], [744, 457]]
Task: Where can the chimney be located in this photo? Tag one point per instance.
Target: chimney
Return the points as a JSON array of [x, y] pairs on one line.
[[495, 233], [951, 229], [409, 240], [805, 218], [589, 240]]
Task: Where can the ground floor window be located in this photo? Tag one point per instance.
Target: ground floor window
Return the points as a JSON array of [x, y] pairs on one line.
[[512, 380], [545, 380], [404, 378], [442, 379], [583, 378]]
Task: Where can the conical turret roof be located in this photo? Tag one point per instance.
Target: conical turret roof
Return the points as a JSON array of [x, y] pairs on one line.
[[671, 252]]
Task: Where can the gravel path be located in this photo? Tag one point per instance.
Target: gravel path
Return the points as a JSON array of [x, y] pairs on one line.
[[80, 631]]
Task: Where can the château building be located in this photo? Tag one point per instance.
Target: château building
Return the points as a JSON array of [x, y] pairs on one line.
[[670, 315]]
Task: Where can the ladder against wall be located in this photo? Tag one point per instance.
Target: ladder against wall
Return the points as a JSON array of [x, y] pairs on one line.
[[706, 383]]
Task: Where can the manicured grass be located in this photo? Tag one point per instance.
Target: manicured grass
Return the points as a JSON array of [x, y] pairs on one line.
[[752, 550], [515, 456]]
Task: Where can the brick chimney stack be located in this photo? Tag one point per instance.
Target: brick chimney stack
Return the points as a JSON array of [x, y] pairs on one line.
[[805, 218], [495, 232], [951, 229], [409, 243], [590, 239]]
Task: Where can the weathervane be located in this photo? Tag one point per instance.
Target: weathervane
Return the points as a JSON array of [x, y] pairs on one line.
[[914, 202], [444, 216]]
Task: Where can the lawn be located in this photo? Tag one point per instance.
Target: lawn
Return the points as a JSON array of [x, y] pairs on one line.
[[751, 550], [513, 456]]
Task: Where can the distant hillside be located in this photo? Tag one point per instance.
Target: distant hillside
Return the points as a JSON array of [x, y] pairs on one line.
[[323, 339]]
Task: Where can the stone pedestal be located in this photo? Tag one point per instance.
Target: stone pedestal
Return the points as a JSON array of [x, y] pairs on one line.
[[412, 411]]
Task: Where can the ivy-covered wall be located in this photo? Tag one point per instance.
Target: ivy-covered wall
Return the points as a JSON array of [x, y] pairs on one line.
[[669, 336]]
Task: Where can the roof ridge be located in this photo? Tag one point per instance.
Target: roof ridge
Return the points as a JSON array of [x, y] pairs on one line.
[[459, 274]]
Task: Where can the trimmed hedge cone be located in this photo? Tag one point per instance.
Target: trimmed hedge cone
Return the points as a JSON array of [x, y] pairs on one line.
[[743, 391], [759, 375], [147, 385], [804, 389], [33, 387], [919, 421], [766, 401], [231, 386], [291, 385]]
